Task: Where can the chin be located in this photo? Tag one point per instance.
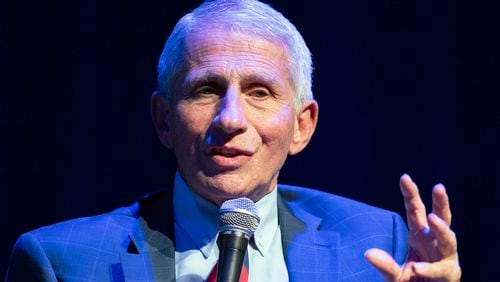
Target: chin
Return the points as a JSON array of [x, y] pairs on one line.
[[233, 191], [224, 186], [230, 191]]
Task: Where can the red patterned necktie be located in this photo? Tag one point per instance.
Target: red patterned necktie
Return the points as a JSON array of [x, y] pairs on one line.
[[212, 277]]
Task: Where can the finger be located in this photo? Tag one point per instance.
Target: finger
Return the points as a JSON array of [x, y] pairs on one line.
[[382, 261], [415, 209], [447, 270], [446, 238], [441, 204]]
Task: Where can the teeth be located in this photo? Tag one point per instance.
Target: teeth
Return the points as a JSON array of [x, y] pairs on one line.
[[226, 153]]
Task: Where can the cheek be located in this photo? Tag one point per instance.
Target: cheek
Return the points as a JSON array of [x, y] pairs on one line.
[[277, 130], [192, 119]]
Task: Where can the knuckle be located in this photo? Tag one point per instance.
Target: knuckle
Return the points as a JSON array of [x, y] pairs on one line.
[[453, 236]]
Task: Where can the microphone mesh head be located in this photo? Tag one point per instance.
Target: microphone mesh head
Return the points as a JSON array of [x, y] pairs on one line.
[[239, 215]]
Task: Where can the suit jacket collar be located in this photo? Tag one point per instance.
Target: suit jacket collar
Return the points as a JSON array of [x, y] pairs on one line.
[[310, 253], [151, 251]]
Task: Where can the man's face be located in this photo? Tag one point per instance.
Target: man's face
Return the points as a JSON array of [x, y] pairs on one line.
[[231, 120]]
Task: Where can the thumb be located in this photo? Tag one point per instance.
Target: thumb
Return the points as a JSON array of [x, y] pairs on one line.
[[384, 262]]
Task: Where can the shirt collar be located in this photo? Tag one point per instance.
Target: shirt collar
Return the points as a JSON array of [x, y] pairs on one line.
[[197, 217], [268, 226]]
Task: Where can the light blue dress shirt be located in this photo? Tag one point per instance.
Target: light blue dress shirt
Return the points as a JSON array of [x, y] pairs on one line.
[[196, 236]]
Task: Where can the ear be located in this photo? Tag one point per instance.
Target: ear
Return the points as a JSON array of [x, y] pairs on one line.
[[305, 124], [161, 115]]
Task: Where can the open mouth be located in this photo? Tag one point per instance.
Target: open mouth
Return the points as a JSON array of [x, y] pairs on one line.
[[228, 152]]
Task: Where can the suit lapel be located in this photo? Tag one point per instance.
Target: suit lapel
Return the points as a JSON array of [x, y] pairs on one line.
[[151, 252], [310, 254]]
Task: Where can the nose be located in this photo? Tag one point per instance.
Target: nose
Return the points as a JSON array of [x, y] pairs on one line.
[[231, 115]]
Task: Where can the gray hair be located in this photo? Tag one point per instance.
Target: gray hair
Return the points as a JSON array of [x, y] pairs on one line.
[[249, 17]]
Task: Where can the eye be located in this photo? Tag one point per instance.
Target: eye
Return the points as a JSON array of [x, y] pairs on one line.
[[259, 93], [205, 93], [206, 90]]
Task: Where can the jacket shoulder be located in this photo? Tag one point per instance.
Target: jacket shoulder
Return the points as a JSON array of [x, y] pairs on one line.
[[326, 204], [50, 251], [107, 225], [358, 224]]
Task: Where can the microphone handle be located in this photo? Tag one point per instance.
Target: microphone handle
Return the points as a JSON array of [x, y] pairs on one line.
[[232, 248]]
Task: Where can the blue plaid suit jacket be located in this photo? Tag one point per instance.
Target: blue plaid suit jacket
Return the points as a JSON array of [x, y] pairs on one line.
[[324, 238]]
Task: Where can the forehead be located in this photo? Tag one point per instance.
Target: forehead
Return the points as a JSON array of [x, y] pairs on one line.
[[235, 51]]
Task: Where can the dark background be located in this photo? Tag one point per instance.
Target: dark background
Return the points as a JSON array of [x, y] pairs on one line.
[[403, 86]]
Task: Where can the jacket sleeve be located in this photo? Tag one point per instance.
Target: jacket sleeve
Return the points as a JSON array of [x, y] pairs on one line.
[[400, 240], [29, 262]]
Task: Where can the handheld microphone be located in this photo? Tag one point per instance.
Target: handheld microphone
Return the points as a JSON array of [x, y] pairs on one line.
[[238, 220]]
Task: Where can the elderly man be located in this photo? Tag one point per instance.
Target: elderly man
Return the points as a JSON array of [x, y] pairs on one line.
[[234, 100]]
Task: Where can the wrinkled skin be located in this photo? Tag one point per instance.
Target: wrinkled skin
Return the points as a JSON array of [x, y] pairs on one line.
[[433, 246], [232, 120]]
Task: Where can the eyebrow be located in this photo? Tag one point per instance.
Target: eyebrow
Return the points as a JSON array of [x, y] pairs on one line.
[[198, 78], [204, 77], [261, 79]]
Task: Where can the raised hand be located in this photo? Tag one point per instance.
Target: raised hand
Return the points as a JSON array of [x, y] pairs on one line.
[[433, 245]]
